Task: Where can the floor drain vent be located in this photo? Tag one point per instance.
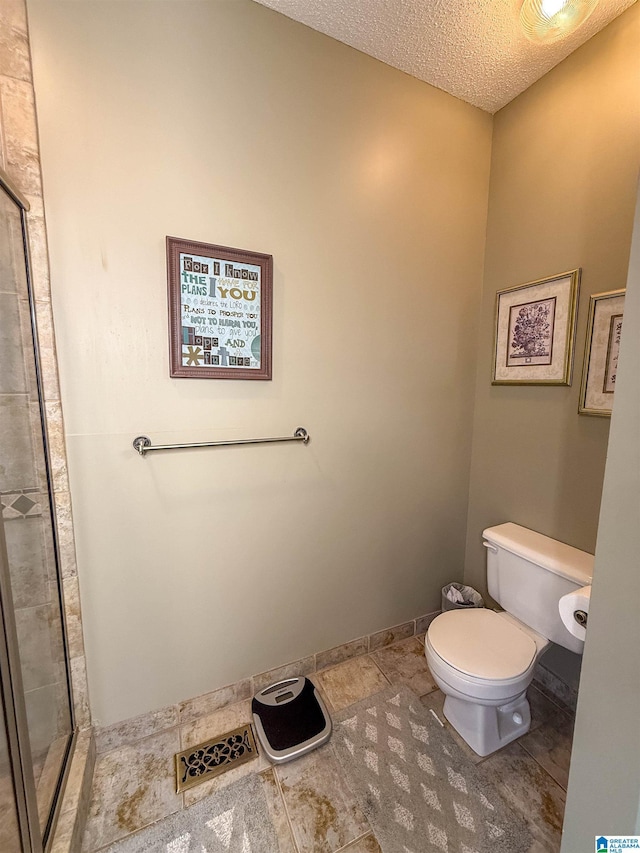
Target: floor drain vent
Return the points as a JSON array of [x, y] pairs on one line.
[[209, 759]]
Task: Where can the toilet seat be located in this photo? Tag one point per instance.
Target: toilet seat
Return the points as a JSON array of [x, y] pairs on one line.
[[470, 638], [481, 645]]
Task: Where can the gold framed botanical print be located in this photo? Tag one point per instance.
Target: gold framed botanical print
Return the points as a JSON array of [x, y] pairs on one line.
[[604, 333], [535, 330]]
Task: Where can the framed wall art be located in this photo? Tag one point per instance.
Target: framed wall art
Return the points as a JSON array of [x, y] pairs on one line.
[[535, 330], [220, 311], [604, 332]]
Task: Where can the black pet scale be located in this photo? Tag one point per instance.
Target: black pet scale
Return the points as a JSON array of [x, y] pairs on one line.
[[290, 719]]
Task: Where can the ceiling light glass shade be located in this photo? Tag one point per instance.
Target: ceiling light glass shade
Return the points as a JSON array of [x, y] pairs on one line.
[[545, 21]]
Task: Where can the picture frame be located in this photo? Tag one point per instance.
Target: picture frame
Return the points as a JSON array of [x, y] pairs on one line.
[[220, 311], [604, 332], [535, 330]]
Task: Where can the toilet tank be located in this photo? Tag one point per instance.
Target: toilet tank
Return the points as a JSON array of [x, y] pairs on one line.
[[528, 573]]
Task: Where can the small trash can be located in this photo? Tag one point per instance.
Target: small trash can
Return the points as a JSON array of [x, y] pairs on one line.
[[457, 596]]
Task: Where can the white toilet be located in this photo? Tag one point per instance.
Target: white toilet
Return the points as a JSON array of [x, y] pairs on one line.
[[483, 660]]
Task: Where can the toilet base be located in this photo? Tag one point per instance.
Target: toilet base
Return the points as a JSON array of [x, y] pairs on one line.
[[487, 728]]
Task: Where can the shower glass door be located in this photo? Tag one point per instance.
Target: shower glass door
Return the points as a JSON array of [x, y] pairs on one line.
[[9, 826], [36, 689]]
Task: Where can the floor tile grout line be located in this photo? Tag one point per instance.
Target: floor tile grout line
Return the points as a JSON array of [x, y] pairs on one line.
[[346, 660], [129, 834], [560, 705], [345, 780], [354, 841], [134, 743], [546, 772], [286, 810], [542, 767], [516, 805], [323, 695], [380, 670]]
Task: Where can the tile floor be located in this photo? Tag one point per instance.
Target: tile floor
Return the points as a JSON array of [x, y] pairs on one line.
[[310, 803]]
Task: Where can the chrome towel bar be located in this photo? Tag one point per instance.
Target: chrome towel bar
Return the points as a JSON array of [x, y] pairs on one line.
[[143, 444]]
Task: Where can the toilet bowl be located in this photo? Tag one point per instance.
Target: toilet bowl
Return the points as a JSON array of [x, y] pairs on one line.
[[483, 662]]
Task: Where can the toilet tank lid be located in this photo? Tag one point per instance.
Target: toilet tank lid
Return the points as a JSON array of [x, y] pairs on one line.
[[556, 557]]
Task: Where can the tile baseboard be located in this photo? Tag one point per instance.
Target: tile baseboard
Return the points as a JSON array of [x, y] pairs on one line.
[[555, 688], [135, 729]]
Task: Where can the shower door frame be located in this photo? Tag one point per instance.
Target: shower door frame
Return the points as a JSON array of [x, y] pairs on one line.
[[33, 838]]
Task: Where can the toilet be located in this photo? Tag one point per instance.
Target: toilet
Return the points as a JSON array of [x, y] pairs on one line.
[[483, 660]]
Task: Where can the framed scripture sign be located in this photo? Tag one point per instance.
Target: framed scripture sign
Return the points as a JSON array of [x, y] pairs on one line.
[[600, 368], [535, 329], [219, 311]]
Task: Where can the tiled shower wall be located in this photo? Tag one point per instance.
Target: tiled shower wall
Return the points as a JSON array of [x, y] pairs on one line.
[[21, 503]]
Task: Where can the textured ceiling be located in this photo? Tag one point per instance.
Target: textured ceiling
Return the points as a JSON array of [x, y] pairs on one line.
[[473, 49]]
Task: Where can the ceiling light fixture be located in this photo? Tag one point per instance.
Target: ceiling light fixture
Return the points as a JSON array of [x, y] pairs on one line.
[[545, 21]]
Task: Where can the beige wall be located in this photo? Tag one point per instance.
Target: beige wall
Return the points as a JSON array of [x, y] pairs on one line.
[[562, 194], [227, 123]]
